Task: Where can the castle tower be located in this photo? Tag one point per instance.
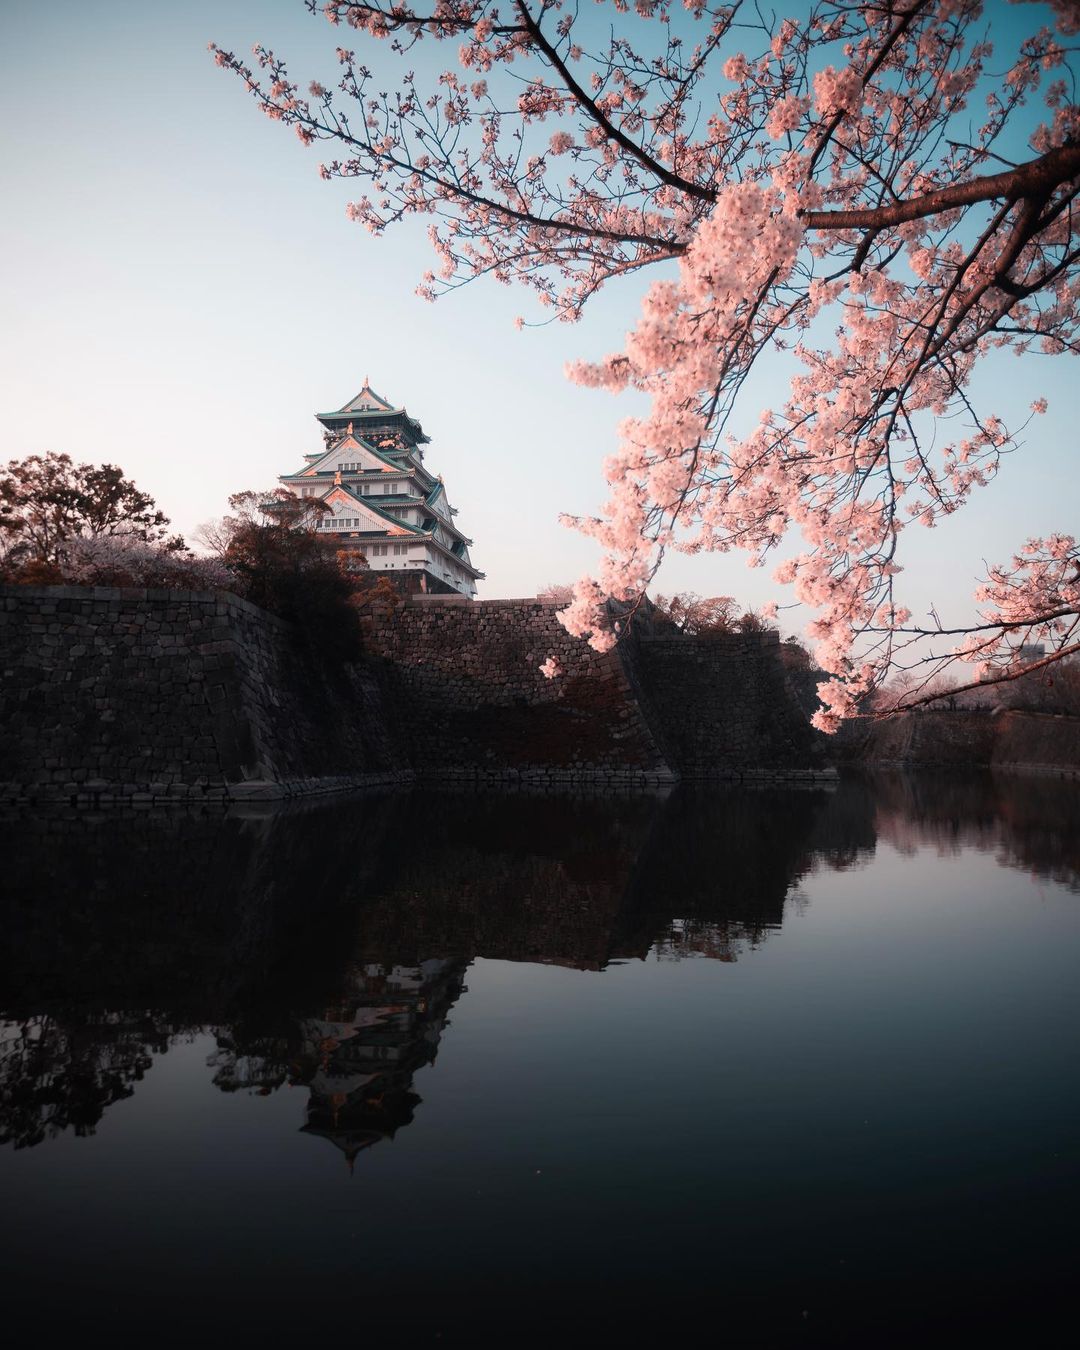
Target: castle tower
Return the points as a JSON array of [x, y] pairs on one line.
[[380, 499]]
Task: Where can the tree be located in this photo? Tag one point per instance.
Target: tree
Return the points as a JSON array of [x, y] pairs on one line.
[[694, 614], [48, 500], [556, 593], [270, 543], [820, 185], [123, 560]]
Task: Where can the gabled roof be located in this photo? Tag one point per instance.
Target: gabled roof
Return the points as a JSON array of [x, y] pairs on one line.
[[367, 400], [369, 405], [398, 526], [383, 461]]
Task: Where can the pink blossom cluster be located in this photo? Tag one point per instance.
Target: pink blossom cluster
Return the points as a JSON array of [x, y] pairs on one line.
[[1034, 599], [126, 560], [843, 201]]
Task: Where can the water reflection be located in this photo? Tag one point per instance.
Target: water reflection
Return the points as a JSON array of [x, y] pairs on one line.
[[357, 1059], [1032, 824], [325, 947]]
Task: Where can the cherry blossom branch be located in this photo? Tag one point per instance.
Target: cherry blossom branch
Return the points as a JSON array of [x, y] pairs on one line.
[[988, 681], [610, 130], [829, 178], [1037, 177]]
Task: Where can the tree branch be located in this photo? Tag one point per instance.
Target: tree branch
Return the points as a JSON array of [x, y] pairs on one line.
[[608, 127], [1038, 176], [1006, 677]]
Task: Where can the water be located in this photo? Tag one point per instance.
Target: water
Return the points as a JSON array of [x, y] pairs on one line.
[[795, 1068]]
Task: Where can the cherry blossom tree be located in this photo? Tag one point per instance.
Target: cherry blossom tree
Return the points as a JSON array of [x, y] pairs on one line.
[[695, 614], [881, 190], [556, 593], [129, 560], [47, 501]]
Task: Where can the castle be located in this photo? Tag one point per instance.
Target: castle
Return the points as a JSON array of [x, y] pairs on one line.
[[379, 498]]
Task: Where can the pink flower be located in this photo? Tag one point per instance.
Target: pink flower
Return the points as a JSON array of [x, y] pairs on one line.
[[785, 116], [836, 90]]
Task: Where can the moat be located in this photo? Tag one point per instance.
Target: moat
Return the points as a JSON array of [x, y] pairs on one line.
[[798, 1066]]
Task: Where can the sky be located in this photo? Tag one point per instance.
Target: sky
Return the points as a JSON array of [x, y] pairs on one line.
[[182, 292]]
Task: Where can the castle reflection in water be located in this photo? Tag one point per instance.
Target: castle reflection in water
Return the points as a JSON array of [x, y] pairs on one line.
[[325, 946]]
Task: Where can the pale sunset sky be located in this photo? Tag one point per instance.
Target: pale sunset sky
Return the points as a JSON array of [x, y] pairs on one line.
[[182, 292]]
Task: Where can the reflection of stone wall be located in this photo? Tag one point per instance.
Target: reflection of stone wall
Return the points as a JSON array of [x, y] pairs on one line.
[[587, 882], [519, 879], [172, 695], [1030, 823], [124, 931], [324, 944], [718, 871]]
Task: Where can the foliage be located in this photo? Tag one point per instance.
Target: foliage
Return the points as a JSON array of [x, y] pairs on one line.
[[374, 592], [556, 593], [687, 612], [690, 613], [803, 675], [47, 501], [864, 185], [694, 614], [270, 544], [127, 560]]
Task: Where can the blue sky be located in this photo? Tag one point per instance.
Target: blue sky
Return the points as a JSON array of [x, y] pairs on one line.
[[182, 291]]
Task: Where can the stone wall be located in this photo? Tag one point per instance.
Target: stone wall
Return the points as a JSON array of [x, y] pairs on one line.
[[723, 707], [1034, 742], [928, 737], [160, 694], [1037, 742], [467, 697], [470, 702]]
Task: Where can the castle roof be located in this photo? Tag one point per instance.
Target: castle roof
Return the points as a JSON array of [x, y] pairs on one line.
[[392, 462], [367, 400], [368, 406], [369, 504], [396, 526]]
